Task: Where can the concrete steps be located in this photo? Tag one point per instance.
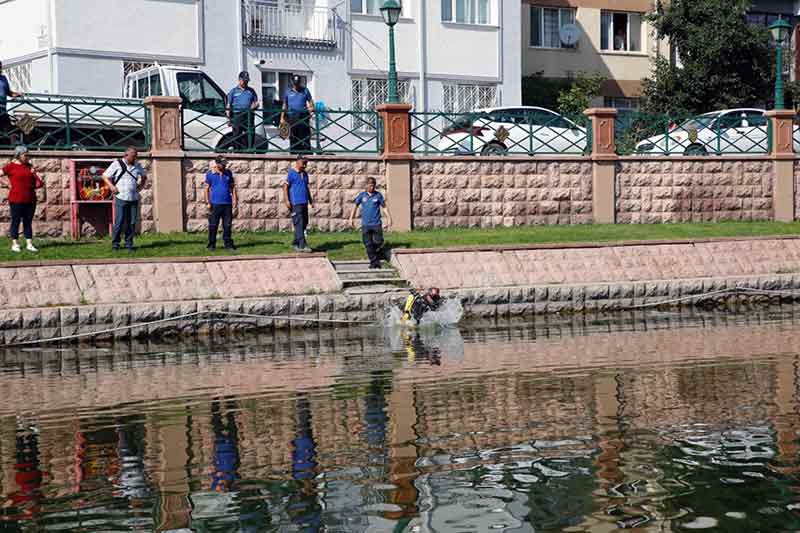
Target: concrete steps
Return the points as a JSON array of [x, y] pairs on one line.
[[358, 278]]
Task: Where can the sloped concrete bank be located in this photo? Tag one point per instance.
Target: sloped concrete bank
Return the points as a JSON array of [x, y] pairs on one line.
[[187, 296]]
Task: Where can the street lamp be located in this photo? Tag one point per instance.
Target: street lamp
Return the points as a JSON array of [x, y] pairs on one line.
[[391, 14], [780, 32]]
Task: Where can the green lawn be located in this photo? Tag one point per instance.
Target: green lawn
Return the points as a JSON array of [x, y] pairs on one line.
[[348, 245]]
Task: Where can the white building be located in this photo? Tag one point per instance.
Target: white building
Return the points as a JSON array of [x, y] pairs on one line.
[[452, 55]]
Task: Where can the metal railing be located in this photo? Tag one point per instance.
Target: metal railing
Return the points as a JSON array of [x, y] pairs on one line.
[[500, 132], [76, 123], [259, 131], [299, 25], [734, 133]]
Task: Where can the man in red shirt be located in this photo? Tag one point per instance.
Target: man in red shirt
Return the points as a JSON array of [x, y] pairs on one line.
[[23, 182]]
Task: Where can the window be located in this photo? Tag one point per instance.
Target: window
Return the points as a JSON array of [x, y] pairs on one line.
[[368, 93], [765, 19], [148, 86], [275, 84], [546, 24], [465, 11], [621, 102], [461, 98], [366, 7], [129, 67], [200, 93], [19, 76], [621, 32]]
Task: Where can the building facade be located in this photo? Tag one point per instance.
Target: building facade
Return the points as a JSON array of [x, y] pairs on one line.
[[452, 55]]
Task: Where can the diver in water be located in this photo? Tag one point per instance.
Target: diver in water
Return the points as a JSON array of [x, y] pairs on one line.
[[416, 305]]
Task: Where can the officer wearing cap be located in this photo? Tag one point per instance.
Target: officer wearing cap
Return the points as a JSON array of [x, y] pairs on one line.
[[297, 107], [242, 102]]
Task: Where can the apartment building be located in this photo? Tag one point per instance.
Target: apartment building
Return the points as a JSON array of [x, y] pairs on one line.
[[562, 38], [452, 55]]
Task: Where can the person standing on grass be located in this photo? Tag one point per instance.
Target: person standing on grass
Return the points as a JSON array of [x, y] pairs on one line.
[[221, 197], [23, 181], [125, 178], [371, 203], [297, 198]]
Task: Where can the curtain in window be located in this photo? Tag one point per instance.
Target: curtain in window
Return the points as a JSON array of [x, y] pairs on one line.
[[551, 28], [605, 31], [635, 25], [536, 26]]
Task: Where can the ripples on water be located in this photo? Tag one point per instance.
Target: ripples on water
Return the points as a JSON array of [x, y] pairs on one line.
[[654, 422]]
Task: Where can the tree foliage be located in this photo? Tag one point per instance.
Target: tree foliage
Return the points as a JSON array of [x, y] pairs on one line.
[[575, 99], [723, 61]]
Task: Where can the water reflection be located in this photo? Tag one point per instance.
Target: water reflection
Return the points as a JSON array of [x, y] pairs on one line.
[[673, 422]]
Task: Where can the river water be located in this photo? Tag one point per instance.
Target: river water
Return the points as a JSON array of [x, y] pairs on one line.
[[656, 422]]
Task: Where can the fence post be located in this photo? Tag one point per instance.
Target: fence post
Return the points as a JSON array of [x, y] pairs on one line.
[[166, 156], [397, 159], [604, 165], [783, 156]]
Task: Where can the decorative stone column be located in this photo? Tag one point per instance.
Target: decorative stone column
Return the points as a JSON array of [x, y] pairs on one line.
[[397, 158], [604, 165], [167, 155], [783, 157]]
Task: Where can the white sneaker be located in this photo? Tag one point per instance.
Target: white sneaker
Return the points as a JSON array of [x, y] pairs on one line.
[[15, 248], [31, 247]]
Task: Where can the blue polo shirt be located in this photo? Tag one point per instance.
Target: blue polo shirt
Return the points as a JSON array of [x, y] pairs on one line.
[[370, 208], [298, 187], [220, 184], [296, 101], [5, 92], [242, 99]]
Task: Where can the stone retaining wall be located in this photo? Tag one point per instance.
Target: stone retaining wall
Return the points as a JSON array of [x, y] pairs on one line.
[[478, 193], [334, 185], [53, 201], [693, 191]]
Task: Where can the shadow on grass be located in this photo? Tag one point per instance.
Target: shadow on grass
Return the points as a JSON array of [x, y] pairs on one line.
[[336, 245]]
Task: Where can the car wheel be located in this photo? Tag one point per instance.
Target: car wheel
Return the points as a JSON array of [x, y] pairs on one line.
[[494, 149], [696, 150]]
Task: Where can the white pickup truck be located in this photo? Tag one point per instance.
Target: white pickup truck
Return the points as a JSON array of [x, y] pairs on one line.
[[91, 122]]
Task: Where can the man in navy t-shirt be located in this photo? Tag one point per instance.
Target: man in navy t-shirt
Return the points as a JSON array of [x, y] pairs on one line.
[[297, 198], [5, 92], [242, 105], [221, 198], [371, 202], [298, 106]]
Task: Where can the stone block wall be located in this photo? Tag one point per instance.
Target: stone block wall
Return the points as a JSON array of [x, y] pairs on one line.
[[334, 185], [487, 193], [797, 190], [53, 200], [693, 191]]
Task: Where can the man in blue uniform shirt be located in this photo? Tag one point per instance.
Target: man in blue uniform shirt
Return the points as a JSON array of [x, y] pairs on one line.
[[297, 198], [298, 106], [371, 202], [242, 103], [5, 120]]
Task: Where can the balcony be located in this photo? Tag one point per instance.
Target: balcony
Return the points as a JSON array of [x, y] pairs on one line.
[[289, 24]]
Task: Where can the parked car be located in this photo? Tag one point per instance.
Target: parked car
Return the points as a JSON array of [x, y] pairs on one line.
[[513, 130], [729, 131]]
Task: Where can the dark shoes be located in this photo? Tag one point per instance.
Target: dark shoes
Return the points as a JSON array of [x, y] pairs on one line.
[[211, 248]]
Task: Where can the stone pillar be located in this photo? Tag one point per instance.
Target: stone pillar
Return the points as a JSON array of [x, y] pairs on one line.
[[397, 158], [166, 155], [783, 157], [604, 165]]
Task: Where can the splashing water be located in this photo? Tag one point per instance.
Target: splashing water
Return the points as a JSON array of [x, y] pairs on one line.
[[449, 313]]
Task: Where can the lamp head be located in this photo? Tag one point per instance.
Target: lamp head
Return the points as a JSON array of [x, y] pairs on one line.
[[390, 10], [780, 30]]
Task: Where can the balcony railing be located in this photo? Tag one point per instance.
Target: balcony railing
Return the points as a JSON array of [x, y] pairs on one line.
[[290, 26]]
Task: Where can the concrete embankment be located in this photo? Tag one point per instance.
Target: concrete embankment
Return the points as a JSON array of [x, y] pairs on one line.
[[186, 296]]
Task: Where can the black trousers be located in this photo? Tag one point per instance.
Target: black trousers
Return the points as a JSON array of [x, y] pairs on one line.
[[243, 124], [22, 213], [373, 242], [219, 212], [300, 223], [300, 133], [6, 127]]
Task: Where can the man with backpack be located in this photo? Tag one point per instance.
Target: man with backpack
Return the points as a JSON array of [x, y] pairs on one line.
[[125, 177]]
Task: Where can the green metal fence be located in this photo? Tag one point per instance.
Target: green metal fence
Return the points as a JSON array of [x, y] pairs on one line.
[[260, 131], [500, 132], [735, 132], [76, 123]]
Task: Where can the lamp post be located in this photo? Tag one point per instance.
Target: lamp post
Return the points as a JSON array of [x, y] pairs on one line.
[[780, 31], [391, 14]]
